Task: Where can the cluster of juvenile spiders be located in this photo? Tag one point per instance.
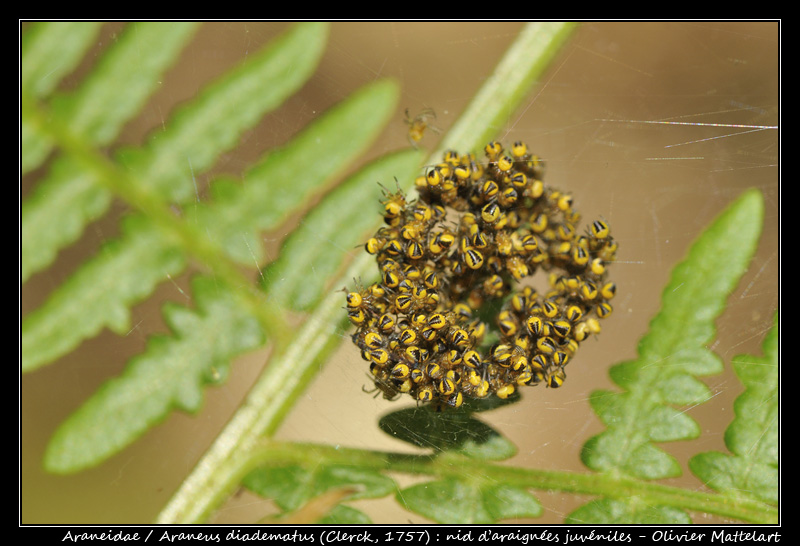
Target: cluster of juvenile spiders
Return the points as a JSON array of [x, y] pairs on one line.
[[423, 326]]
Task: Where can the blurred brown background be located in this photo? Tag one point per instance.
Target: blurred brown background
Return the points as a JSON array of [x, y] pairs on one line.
[[713, 90]]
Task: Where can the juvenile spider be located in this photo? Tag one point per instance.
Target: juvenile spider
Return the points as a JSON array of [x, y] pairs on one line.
[[419, 124], [422, 325]]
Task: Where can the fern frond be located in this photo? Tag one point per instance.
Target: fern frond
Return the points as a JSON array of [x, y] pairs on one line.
[[51, 50], [165, 167], [212, 123], [671, 355], [287, 177], [293, 486], [100, 293], [457, 432], [48, 51], [111, 95], [751, 469], [171, 373], [468, 499], [130, 267]]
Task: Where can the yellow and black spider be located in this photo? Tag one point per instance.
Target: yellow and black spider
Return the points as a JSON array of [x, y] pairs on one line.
[[469, 239]]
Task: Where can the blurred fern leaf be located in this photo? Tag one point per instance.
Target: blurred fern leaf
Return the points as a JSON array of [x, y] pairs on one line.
[[112, 94], [100, 293], [78, 189], [155, 244], [169, 374], [48, 52]]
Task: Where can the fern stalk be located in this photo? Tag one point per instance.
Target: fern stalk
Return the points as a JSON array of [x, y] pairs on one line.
[[505, 89], [449, 464], [293, 367]]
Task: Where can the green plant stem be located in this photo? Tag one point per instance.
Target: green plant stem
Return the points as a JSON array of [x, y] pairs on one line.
[[120, 184], [293, 367], [275, 392], [451, 464], [508, 85]]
